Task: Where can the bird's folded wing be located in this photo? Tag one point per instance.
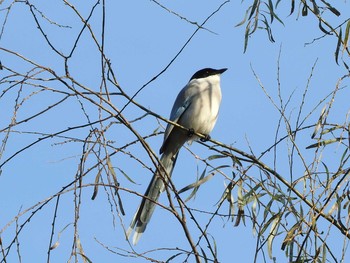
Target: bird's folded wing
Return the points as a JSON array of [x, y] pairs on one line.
[[175, 115]]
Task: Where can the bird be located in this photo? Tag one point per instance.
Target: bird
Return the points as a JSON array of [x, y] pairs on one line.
[[196, 108]]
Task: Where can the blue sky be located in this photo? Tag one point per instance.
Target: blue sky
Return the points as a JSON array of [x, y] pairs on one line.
[[141, 39]]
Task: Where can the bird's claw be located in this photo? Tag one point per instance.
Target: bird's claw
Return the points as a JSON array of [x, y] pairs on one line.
[[190, 132], [206, 138]]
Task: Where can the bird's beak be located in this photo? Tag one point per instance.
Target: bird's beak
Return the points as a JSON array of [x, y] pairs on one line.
[[220, 71]]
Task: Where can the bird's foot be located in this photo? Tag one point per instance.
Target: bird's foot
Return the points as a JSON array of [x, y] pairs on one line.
[[190, 132], [206, 138]]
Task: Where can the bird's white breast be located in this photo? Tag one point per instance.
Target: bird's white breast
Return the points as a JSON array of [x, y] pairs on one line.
[[205, 99]]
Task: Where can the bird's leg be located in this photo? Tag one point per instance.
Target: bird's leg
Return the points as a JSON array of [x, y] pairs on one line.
[[190, 132], [206, 138]]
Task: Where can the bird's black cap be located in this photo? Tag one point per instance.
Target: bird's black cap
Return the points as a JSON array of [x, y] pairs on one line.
[[206, 72]]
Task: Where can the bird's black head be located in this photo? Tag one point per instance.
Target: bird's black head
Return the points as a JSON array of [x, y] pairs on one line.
[[206, 72]]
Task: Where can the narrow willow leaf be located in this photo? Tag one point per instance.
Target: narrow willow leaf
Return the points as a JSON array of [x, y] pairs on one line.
[[97, 180], [268, 29], [121, 207], [338, 46], [240, 194], [331, 8], [272, 13], [267, 224], [344, 155], [57, 243], [195, 184], [270, 7], [319, 122], [231, 202], [254, 214], [267, 209], [173, 256], [327, 173], [336, 127], [290, 236], [112, 172], [215, 246], [248, 197], [292, 7], [272, 234], [240, 202], [58, 238], [126, 176], [254, 7], [216, 156], [219, 167], [246, 36], [304, 10], [346, 37], [204, 255], [240, 215], [227, 191], [85, 258], [156, 130], [277, 3], [333, 208], [322, 28], [245, 18], [324, 143], [324, 253], [315, 7], [235, 160]]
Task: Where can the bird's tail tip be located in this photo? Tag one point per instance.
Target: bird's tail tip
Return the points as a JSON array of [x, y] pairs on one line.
[[136, 237]]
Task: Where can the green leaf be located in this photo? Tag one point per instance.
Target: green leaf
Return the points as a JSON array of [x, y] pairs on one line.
[[325, 131], [331, 8], [324, 253], [338, 46], [324, 143], [322, 28], [173, 256], [240, 202], [112, 172], [245, 18], [219, 167], [246, 36], [304, 10], [346, 38], [204, 255], [272, 13], [327, 173], [272, 234], [254, 7], [270, 7], [316, 10], [290, 235], [240, 215], [319, 122], [267, 224], [196, 185], [268, 29], [216, 156], [343, 157], [97, 180], [292, 7], [252, 194], [126, 176]]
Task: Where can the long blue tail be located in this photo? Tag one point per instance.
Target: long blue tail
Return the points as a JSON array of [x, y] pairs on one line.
[[149, 201]]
